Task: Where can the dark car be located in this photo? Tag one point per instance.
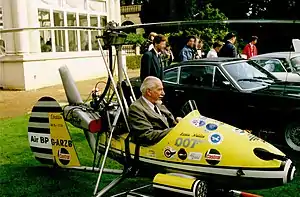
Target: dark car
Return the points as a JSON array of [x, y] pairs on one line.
[[236, 91]]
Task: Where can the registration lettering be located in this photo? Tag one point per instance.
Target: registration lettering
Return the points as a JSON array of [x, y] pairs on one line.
[[61, 142]]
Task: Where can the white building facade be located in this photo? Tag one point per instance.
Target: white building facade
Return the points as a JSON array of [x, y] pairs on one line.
[[33, 57]]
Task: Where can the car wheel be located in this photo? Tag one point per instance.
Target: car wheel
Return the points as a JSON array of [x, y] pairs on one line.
[[292, 135]]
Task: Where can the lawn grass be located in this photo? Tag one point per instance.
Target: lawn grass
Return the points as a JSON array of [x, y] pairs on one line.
[[22, 175]]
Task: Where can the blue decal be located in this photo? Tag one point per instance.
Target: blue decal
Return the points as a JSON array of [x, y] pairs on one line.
[[215, 138], [201, 123], [211, 127]]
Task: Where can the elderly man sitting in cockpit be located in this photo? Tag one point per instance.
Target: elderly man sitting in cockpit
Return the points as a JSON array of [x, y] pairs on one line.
[[149, 120]]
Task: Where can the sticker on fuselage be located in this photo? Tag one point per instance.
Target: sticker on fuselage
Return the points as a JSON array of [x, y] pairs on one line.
[[215, 138], [213, 157], [211, 127], [182, 154], [197, 122], [64, 156], [187, 142], [169, 152], [196, 156]]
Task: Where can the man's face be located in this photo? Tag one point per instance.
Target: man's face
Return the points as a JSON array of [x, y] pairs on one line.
[[255, 41], [233, 39], [161, 46], [157, 93], [191, 42]]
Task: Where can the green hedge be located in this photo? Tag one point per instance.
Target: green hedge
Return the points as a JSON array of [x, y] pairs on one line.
[[133, 62]]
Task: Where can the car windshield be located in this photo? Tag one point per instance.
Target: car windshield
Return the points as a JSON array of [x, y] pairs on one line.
[[249, 75]]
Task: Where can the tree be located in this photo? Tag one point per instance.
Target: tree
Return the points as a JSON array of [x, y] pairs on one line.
[[209, 32]]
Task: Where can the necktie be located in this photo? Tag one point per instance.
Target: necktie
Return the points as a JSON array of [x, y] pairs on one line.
[[156, 109]]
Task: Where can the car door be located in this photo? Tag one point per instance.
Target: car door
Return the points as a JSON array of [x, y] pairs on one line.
[[195, 83], [227, 100]]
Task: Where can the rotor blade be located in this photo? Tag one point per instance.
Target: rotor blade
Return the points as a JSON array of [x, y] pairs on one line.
[[50, 28], [198, 22]]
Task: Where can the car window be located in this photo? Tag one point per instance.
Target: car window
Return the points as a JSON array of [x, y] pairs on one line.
[[196, 75], [285, 63], [219, 79], [171, 75], [296, 63], [271, 65]]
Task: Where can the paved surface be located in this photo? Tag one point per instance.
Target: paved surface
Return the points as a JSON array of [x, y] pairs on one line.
[[18, 103]]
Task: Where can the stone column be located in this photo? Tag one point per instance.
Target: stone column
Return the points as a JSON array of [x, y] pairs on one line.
[[117, 11], [8, 23], [20, 14], [33, 21]]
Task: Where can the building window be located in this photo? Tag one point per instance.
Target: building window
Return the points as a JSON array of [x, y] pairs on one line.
[[84, 36], [60, 38], [45, 35], [94, 23], [72, 34], [103, 21]]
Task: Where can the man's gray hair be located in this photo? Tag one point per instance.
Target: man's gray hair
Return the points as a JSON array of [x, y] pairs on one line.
[[149, 82]]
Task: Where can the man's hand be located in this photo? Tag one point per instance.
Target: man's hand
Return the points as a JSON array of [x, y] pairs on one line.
[[178, 119]]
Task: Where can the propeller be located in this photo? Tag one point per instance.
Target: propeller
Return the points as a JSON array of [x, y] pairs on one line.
[[51, 28], [198, 22], [112, 25]]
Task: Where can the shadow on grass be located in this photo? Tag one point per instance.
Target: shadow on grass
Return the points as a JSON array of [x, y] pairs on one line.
[[16, 180]]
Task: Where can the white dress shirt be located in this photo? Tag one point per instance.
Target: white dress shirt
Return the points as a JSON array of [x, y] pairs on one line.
[[212, 53], [151, 46], [151, 105]]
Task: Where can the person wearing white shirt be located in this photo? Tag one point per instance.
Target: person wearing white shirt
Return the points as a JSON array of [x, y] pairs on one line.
[[214, 51]]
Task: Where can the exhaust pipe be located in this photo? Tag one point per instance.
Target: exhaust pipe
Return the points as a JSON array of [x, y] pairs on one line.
[[78, 114]]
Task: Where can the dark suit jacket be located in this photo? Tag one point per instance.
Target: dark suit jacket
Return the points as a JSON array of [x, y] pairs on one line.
[[146, 126], [228, 50], [151, 66]]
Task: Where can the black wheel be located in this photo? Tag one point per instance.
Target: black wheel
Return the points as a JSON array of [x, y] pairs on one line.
[[201, 189], [292, 135]]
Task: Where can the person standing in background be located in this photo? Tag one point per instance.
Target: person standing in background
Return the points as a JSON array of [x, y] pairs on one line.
[[250, 49], [215, 50], [151, 63], [187, 52], [199, 49], [148, 45], [228, 49], [168, 56], [151, 38]]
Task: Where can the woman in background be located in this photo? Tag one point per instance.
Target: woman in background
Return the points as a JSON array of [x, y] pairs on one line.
[[215, 50]]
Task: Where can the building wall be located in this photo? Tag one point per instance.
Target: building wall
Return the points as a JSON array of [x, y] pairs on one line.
[[32, 59]]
